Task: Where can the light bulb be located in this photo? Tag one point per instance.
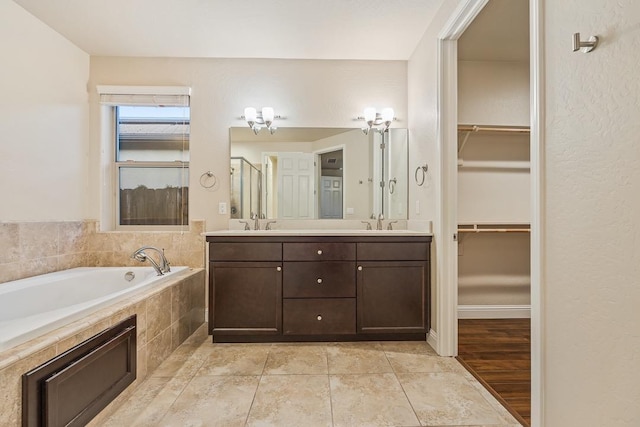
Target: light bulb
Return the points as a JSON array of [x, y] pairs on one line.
[[250, 115], [369, 115], [267, 115], [387, 115]]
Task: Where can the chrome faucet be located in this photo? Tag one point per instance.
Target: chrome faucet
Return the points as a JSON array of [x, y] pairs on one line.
[[268, 226], [389, 226], [256, 221], [161, 268], [379, 222], [367, 223]]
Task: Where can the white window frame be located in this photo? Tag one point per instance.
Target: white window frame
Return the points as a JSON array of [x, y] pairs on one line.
[[109, 98]]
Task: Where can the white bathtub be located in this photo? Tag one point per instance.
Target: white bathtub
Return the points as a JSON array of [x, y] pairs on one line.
[[34, 306]]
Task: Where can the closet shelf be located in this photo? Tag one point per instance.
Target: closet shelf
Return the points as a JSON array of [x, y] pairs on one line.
[[493, 164], [494, 228], [492, 128]]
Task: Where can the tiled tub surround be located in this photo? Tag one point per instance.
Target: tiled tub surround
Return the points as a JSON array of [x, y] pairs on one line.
[[166, 316], [34, 306], [29, 249]]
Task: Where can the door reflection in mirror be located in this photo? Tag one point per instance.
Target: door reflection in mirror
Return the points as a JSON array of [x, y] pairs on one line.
[[319, 173]]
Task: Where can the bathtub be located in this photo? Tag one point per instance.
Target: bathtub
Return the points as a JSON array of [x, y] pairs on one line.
[[34, 306]]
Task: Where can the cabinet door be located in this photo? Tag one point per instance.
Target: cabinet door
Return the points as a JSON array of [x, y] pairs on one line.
[[393, 297], [246, 298]]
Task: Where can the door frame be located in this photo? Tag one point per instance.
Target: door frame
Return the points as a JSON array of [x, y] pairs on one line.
[[447, 265]]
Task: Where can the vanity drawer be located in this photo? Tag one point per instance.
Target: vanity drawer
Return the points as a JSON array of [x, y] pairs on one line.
[[222, 251], [319, 316], [321, 251], [310, 279], [406, 251]]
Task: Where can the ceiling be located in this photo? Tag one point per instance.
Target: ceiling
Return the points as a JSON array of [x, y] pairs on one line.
[[300, 29], [500, 32]]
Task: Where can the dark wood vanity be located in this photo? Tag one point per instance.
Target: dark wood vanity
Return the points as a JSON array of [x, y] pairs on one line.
[[271, 287]]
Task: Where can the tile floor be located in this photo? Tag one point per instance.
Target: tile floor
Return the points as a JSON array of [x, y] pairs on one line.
[[309, 384]]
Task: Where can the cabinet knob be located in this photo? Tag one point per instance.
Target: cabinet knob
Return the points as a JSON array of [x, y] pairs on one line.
[[319, 317], [278, 268], [319, 251], [359, 268], [319, 280]]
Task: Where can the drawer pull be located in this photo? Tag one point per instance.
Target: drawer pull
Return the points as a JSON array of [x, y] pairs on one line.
[[319, 280], [359, 268], [319, 317], [319, 251], [278, 268]]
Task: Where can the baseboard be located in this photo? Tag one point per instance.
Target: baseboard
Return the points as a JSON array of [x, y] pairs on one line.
[[494, 311], [432, 339]]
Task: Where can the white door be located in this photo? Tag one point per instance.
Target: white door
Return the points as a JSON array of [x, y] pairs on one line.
[[296, 185], [331, 197]]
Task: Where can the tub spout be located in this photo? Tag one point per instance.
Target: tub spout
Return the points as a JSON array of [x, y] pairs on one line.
[[161, 268]]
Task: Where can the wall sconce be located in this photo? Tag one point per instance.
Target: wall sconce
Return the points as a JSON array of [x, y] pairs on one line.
[[372, 118], [257, 120]]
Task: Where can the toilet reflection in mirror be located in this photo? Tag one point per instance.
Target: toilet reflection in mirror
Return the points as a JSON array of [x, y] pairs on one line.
[[319, 173]]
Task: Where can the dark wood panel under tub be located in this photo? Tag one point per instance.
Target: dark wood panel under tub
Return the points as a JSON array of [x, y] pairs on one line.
[[72, 388]]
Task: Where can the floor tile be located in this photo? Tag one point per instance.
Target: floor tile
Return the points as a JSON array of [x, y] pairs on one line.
[[442, 399], [213, 401], [357, 358], [408, 347], [297, 359], [402, 362], [370, 400], [185, 361], [234, 359], [148, 404], [291, 400]]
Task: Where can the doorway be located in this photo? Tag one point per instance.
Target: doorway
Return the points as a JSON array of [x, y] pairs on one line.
[[447, 228]]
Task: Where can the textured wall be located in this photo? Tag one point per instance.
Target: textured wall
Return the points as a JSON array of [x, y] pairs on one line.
[[44, 118], [592, 248]]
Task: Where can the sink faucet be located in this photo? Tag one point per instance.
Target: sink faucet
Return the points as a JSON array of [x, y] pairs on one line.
[[367, 223], [379, 222], [389, 226], [268, 226], [256, 221], [141, 256]]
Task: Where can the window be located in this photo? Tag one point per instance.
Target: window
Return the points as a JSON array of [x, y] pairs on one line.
[[150, 160]]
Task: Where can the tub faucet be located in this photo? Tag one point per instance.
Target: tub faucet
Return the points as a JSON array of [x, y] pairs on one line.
[[141, 256]]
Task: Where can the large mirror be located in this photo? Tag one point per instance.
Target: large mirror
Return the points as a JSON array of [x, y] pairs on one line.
[[319, 173]]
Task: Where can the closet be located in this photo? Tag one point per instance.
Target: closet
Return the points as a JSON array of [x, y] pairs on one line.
[[493, 166]]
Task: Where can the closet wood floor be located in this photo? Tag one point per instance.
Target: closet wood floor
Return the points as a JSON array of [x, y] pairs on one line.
[[498, 353]]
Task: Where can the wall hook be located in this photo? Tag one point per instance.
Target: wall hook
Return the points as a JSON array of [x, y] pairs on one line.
[[584, 46]]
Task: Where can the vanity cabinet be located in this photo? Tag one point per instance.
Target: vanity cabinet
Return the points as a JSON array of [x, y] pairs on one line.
[[245, 288], [319, 288], [315, 288], [393, 292]]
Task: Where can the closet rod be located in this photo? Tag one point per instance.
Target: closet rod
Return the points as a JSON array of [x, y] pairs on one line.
[[493, 228], [480, 128]]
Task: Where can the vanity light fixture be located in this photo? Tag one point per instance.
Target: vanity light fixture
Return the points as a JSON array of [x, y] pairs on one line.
[[373, 118], [257, 120]]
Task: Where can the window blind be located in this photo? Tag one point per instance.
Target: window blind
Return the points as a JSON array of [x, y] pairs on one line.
[[173, 96]]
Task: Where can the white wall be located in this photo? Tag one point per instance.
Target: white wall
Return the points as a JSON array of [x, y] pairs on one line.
[[309, 93], [592, 215], [44, 117], [422, 83]]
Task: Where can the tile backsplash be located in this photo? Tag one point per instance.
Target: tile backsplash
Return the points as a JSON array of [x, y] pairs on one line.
[[31, 248]]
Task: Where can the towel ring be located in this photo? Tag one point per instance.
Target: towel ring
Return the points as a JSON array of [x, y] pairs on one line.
[[205, 176], [424, 168]]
